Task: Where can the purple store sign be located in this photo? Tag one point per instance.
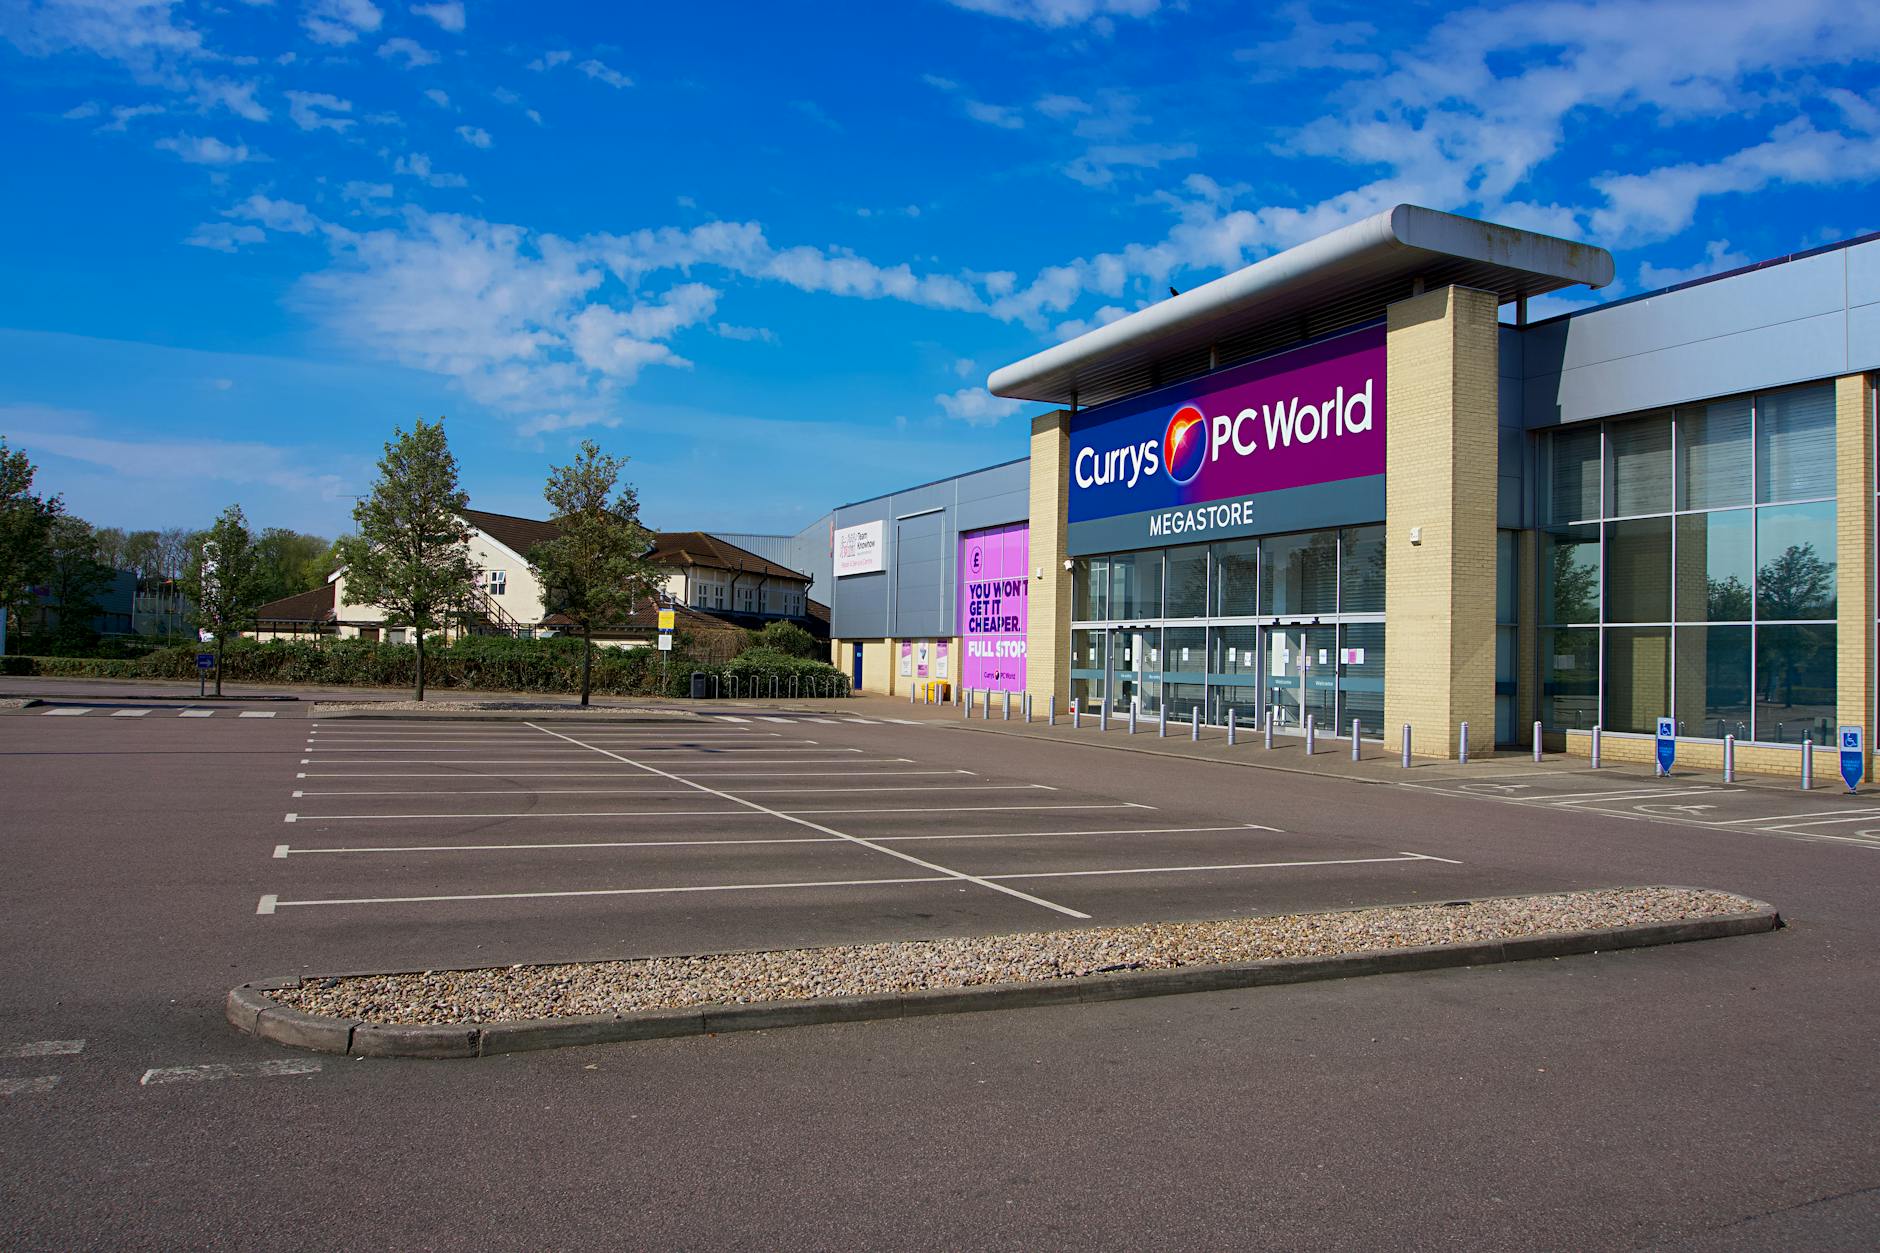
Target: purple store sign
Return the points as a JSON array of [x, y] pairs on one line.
[[1190, 459], [994, 591]]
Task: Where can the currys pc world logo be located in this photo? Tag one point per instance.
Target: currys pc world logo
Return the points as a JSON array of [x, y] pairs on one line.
[[1311, 415]]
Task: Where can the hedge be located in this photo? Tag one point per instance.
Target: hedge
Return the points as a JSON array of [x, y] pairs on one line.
[[480, 662]]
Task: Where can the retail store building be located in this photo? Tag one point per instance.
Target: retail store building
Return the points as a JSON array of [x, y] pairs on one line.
[[1353, 480]]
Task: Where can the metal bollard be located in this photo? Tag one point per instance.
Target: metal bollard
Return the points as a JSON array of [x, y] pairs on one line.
[[1103, 715], [1354, 739], [986, 714], [1007, 716], [1132, 716], [1269, 728], [1161, 720], [1808, 762], [1232, 715], [1462, 757], [1027, 700], [1729, 759], [910, 693], [1312, 734], [1406, 746], [1077, 716], [1194, 724], [967, 704], [1595, 746], [1050, 710], [1537, 741]]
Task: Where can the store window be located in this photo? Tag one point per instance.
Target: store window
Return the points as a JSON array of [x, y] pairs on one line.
[[1507, 634], [1236, 577], [1704, 586], [1186, 595], [1135, 586], [1299, 573]]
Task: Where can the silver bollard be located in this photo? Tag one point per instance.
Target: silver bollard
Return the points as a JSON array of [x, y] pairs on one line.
[[1729, 759], [1462, 757], [1406, 746], [1312, 732], [1194, 724], [1537, 740], [1161, 720], [1808, 762], [1008, 706], [1077, 716], [986, 713], [966, 706], [1027, 708], [1132, 716], [1232, 715], [1050, 710], [1354, 739], [1103, 715], [1269, 728], [1595, 746]]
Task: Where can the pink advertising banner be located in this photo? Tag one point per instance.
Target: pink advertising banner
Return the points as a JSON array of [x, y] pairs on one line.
[[994, 591]]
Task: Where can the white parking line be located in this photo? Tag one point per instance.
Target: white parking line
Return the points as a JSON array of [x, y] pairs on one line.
[[602, 774], [20, 1087], [815, 826], [269, 904], [284, 851], [516, 746], [743, 791], [768, 718], [519, 761], [1249, 865], [729, 718], [1866, 816], [45, 1048], [755, 810], [196, 713], [129, 713], [256, 713], [227, 1070], [68, 711]]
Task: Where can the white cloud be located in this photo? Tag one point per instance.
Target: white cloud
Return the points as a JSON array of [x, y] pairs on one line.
[[418, 166], [414, 53], [745, 334], [340, 22], [237, 98], [143, 35], [179, 463], [1313, 45], [225, 236], [549, 60], [449, 15], [1718, 257], [976, 406], [204, 150], [1097, 167], [438, 96], [316, 110], [79, 112], [124, 114], [602, 72], [475, 136], [993, 114], [1059, 13], [222, 385], [275, 215], [366, 195]]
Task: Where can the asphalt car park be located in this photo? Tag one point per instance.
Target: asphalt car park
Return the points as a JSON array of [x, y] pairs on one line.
[[1679, 1097]]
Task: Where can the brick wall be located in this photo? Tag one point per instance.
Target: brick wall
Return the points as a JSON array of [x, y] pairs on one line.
[[1854, 553], [1048, 628]]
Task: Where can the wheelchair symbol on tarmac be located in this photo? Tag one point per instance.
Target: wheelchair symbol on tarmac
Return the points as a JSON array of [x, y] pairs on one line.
[[1673, 810], [1493, 787]]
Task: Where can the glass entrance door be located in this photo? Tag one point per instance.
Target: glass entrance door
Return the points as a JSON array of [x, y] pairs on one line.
[[1135, 670], [1284, 650]]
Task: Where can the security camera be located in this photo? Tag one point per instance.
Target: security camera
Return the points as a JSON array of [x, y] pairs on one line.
[[1069, 564]]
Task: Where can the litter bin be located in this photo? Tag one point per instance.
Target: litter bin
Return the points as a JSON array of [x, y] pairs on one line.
[[698, 685]]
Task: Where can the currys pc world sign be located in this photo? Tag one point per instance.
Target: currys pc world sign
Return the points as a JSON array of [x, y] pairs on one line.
[[1288, 442]]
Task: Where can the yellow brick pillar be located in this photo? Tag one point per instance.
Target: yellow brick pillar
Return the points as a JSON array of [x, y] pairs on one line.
[[1854, 553], [1439, 487], [1048, 624]]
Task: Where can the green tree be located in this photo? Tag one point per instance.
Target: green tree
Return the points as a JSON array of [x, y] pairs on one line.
[[74, 578], [596, 570], [1796, 583], [25, 532], [221, 579], [290, 562], [791, 639], [411, 556]]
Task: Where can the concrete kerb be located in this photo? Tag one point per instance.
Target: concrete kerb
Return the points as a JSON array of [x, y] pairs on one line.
[[252, 1010]]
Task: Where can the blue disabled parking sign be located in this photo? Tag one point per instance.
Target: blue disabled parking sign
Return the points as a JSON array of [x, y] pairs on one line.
[[1853, 757], [1667, 744]]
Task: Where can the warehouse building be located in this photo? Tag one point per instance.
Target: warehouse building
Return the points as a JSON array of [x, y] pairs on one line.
[[1354, 481]]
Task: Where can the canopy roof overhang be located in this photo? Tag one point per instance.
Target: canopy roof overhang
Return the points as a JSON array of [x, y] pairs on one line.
[[1331, 283]]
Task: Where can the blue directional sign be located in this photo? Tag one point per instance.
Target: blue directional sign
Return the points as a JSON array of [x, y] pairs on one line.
[[205, 661], [1667, 744], [1853, 757]]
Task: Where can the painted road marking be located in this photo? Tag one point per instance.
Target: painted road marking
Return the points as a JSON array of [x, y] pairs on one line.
[[1250, 865], [22, 1087], [746, 791], [1792, 817], [729, 718], [256, 713], [196, 713], [814, 826], [766, 718], [284, 851], [598, 774], [754, 811], [271, 903], [536, 746], [129, 713], [67, 711], [219, 1070], [45, 1048]]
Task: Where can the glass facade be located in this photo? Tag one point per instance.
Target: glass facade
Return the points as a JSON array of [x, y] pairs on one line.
[[1687, 569], [1195, 628]]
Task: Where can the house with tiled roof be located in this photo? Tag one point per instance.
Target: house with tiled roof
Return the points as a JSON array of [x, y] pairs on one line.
[[713, 584]]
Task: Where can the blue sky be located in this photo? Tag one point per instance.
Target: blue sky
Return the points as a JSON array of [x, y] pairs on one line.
[[772, 251]]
